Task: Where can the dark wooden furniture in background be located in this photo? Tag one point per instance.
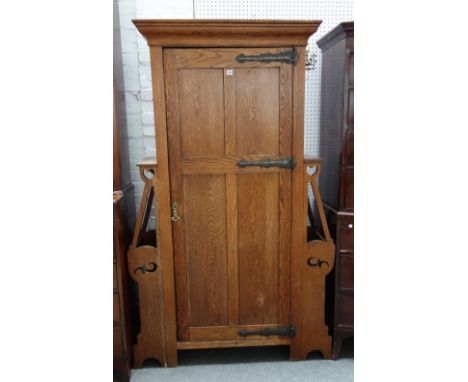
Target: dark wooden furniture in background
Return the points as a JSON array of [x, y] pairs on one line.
[[337, 180], [121, 302], [232, 266]]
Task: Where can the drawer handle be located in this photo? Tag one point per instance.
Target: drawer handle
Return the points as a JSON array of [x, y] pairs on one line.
[[317, 264], [143, 268]]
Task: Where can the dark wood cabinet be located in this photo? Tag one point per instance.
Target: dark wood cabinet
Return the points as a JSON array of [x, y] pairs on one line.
[[121, 302], [121, 299], [232, 266], [337, 178]]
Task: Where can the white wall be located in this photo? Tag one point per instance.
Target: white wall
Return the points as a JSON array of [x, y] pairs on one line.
[[133, 85], [137, 134]]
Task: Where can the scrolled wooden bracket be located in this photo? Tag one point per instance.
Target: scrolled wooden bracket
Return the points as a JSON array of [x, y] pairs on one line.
[[318, 258], [312, 178], [144, 267], [147, 168], [147, 165], [144, 262], [316, 263], [139, 259], [327, 254]]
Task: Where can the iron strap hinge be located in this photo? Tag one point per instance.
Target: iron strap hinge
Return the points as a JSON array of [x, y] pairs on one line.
[[287, 331], [288, 57], [266, 163]]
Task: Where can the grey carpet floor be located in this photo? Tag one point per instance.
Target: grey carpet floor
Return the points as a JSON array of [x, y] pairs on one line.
[[251, 364]]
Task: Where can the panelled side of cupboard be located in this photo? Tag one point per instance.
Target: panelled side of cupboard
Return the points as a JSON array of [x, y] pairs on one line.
[[233, 265]]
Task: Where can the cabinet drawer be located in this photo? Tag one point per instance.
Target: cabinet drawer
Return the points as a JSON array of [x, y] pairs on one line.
[[344, 314], [349, 187], [346, 271], [116, 307], [345, 237]]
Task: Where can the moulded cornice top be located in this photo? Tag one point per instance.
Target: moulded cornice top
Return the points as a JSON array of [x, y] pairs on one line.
[[342, 30], [226, 33]]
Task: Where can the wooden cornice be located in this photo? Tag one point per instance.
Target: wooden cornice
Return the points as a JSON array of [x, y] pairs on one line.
[[226, 33], [311, 160], [341, 31]]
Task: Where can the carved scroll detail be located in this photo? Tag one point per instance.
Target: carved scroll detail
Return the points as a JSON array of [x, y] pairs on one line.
[[318, 258], [144, 265]]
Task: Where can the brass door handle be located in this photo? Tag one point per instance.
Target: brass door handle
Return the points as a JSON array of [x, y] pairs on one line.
[[175, 213]]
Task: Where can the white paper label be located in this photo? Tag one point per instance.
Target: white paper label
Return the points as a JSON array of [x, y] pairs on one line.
[[229, 72]]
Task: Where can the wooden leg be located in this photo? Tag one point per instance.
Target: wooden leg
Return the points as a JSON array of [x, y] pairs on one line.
[[121, 373], [144, 266], [337, 342], [171, 359], [316, 261]]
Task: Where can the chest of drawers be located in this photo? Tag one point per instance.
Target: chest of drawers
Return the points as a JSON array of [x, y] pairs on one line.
[[337, 180]]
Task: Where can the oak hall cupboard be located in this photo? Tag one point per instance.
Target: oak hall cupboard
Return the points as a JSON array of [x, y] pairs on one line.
[[233, 262]]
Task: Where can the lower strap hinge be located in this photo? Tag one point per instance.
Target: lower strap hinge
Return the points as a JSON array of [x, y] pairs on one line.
[[287, 331]]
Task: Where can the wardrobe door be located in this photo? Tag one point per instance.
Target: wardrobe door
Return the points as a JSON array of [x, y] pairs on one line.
[[231, 216]]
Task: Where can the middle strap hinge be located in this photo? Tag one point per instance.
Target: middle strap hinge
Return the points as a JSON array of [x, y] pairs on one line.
[[266, 163], [287, 331]]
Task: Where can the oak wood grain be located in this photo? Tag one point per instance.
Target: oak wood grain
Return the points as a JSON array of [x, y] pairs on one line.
[[297, 190], [226, 33], [285, 195], [232, 249], [201, 111], [176, 187], [230, 343], [237, 259], [150, 339], [314, 331], [257, 111], [223, 58], [164, 228], [205, 249], [258, 248], [225, 333], [227, 165], [266, 110]]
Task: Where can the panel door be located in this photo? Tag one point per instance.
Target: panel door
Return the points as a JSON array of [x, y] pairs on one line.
[[232, 241]]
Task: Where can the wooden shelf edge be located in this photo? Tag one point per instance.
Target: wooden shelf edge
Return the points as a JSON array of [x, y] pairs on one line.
[[181, 345]]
